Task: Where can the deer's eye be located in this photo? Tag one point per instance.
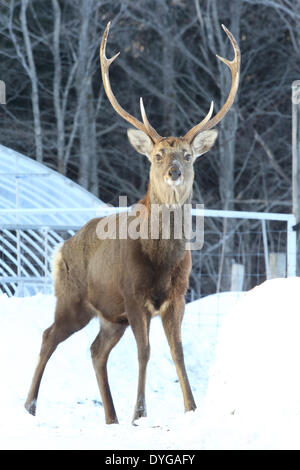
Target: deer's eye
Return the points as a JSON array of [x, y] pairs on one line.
[[158, 157], [187, 157]]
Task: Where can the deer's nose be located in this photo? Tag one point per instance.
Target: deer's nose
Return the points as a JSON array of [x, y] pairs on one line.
[[174, 172]]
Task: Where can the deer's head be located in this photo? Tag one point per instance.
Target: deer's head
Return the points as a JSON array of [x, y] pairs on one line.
[[172, 158]]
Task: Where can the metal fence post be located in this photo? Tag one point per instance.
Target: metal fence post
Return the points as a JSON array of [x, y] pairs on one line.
[[291, 247], [266, 249]]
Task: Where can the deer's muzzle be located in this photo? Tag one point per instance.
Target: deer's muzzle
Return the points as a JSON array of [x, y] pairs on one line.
[[174, 172]]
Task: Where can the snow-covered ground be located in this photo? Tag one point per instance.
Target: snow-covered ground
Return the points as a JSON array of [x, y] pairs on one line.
[[242, 354]]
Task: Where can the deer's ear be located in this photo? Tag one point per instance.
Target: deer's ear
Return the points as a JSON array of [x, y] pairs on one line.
[[204, 142], [140, 141]]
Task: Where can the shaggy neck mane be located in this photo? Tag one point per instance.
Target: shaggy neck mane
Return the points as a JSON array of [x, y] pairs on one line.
[[164, 252]]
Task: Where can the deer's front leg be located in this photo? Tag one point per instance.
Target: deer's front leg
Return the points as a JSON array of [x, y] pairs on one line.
[[139, 320], [171, 319]]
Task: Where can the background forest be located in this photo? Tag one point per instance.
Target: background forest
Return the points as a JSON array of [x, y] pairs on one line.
[[57, 111]]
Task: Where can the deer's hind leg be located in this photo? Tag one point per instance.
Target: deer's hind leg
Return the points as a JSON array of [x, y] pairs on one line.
[[68, 319], [107, 338]]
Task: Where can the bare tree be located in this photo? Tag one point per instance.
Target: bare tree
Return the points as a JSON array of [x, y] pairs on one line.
[[26, 57], [56, 110]]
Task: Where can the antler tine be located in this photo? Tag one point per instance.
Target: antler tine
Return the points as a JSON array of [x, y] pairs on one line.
[[207, 117], [105, 64], [147, 124], [234, 66]]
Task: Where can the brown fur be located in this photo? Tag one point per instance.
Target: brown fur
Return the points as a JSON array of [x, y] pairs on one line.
[[123, 282], [127, 281]]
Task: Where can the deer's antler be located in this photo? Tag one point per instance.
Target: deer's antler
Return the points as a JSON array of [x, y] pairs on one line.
[[234, 65], [144, 126]]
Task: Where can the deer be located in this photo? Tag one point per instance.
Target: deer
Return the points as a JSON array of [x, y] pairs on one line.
[[126, 282]]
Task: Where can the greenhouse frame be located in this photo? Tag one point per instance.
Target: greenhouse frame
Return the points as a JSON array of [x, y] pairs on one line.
[[39, 209]]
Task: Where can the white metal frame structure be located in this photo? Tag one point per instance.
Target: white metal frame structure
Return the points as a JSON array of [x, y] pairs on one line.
[[36, 197], [30, 247], [290, 220]]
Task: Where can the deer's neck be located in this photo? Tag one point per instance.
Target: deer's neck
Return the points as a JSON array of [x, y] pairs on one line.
[[166, 242]]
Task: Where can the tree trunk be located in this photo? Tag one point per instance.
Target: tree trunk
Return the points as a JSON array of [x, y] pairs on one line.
[[87, 131], [168, 75], [169, 117], [227, 139], [58, 108], [34, 83]]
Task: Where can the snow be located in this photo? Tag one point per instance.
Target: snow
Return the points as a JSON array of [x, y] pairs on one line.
[[242, 355]]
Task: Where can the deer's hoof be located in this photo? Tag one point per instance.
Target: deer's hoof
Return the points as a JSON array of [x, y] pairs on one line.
[[31, 407]]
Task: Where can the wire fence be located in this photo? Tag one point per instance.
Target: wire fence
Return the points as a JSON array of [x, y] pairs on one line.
[[241, 261], [240, 251]]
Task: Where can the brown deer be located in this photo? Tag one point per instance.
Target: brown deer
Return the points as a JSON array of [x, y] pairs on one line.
[[128, 281]]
